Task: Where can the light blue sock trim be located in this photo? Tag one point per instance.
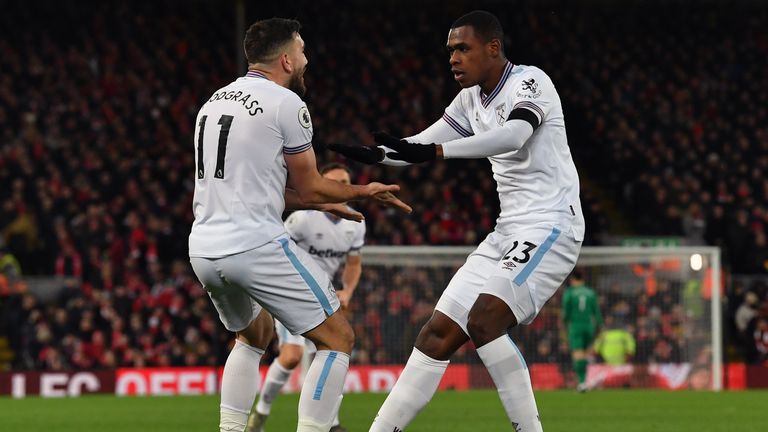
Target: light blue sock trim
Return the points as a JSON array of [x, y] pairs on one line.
[[324, 375], [525, 365]]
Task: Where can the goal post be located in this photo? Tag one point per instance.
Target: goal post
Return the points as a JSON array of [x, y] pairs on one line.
[[668, 299]]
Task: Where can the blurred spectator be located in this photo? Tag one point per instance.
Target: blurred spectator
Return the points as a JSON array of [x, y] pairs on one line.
[[746, 312], [760, 339], [615, 344]]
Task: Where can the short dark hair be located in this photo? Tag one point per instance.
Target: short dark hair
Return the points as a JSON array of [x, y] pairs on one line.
[[486, 25], [264, 38], [577, 274], [333, 166]]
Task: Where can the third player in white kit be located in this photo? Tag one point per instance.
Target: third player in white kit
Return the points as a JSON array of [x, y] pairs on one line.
[[510, 114], [331, 241]]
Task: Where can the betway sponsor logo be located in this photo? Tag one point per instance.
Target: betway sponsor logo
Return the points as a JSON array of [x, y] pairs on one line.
[[326, 253]]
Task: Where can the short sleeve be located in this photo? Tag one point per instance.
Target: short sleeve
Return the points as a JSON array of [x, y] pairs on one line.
[[294, 225], [359, 241], [457, 115], [533, 97], [295, 125]]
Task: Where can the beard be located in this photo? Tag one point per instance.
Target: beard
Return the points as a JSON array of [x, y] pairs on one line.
[[296, 83]]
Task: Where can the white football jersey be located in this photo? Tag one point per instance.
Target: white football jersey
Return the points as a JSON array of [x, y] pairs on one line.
[[539, 182], [241, 134], [327, 239]]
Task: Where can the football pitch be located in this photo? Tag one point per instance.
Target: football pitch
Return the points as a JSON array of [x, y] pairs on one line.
[[476, 411]]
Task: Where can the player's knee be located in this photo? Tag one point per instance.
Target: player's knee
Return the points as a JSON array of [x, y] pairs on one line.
[[482, 330], [489, 319], [290, 360], [431, 342], [257, 334], [347, 337], [479, 332], [344, 338]]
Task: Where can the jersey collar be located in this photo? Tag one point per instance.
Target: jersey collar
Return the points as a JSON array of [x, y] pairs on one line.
[[255, 74], [486, 100]]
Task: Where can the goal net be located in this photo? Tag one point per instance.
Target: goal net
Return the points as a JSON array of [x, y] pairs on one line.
[[661, 298]]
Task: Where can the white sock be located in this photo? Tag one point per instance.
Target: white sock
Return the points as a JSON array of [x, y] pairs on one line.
[[510, 374], [336, 421], [276, 378], [239, 386], [411, 393], [321, 391]]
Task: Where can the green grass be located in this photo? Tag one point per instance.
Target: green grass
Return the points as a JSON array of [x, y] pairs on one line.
[[476, 411]]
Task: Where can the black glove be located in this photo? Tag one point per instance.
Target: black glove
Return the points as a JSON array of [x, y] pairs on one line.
[[405, 151], [366, 155]]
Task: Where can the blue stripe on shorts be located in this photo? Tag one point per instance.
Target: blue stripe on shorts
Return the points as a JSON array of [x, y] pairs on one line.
[[537, 257], [307, 276]]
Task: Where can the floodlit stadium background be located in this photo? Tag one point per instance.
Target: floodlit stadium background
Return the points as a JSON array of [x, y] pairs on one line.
[[666, 108]]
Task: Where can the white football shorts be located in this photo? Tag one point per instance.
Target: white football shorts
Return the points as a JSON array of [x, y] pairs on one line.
[[279, 276], [524, 269]]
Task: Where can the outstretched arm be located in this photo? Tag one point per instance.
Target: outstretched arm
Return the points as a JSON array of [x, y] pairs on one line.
[[294, 202], [444, 129], [440, 131], [312, 188], [512, 136]]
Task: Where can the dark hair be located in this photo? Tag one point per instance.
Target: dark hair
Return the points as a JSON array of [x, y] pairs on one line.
[[577, 274], [486, 25], [333, 166], [264, 38]]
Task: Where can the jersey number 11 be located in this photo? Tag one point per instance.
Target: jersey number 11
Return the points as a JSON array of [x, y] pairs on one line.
[[226, 122]]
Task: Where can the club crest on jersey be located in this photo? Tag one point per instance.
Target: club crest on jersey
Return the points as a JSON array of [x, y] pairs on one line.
[[304, 119], [529, 89], [501, 113]]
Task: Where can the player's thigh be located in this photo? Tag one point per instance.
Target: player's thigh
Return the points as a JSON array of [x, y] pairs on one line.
[[235, 307], [579, 338], [466, 285], [574, 340], [535, 263], [287, 282]]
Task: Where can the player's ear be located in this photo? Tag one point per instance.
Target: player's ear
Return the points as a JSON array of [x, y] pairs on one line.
[[494, 48], [285, 63]]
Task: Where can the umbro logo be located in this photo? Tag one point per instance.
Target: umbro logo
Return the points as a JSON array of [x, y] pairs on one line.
[[509, 265]]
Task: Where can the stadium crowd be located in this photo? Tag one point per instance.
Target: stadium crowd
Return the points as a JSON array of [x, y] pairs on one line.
[[96, 156]]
